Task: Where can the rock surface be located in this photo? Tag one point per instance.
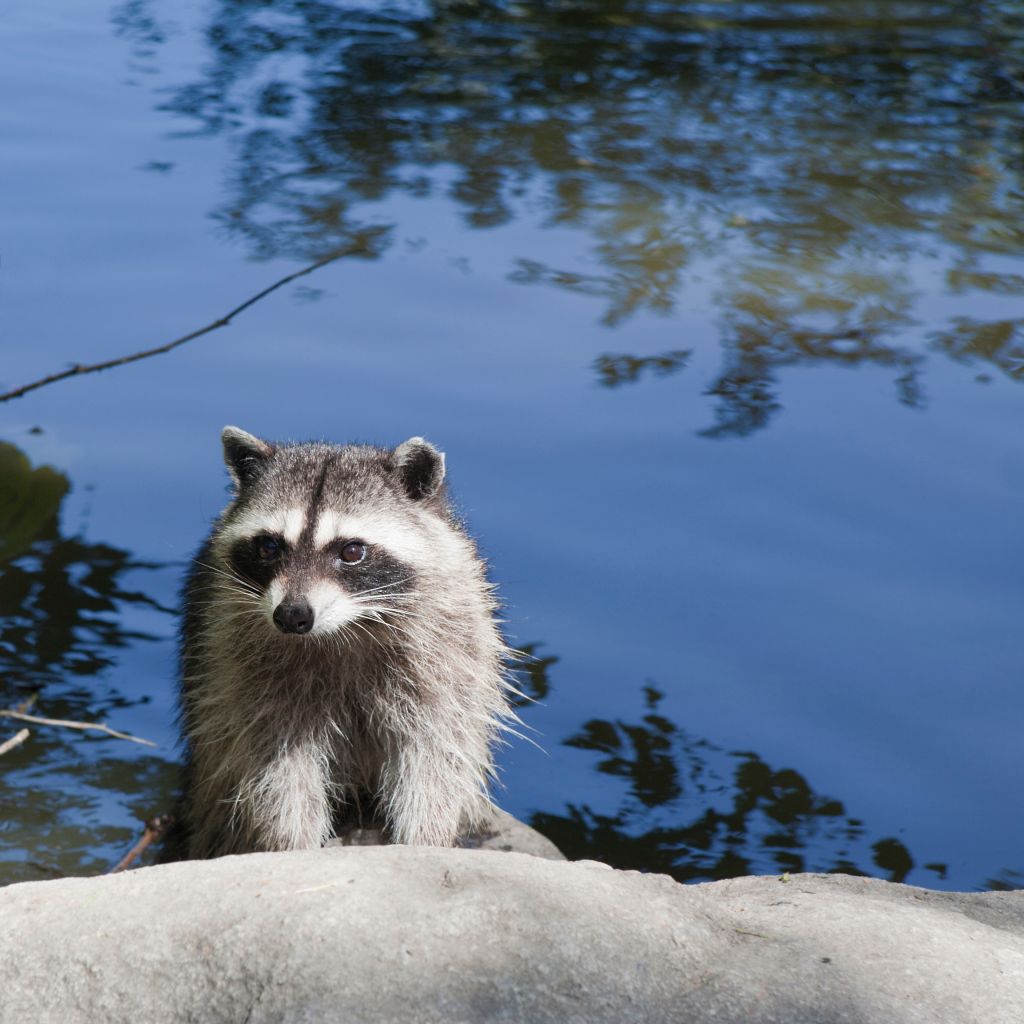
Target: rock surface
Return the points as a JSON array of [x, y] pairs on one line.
[[368, 934]]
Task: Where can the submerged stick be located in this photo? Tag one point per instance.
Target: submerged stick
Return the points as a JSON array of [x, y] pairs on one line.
[[63, 723], [78, 369], [153, 833], [15, 741]]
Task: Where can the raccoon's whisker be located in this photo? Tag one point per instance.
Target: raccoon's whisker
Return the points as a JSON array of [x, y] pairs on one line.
[[236, 600], [218, 586], [238, 581], [377, 604], [366, 610], [387, 586], [362, 595], [244, 603], [356, 624], [374, 615], [234, 577], [370, 608], [333, 644], [344, 637], [395, 628], [394, 615], [384, 601]]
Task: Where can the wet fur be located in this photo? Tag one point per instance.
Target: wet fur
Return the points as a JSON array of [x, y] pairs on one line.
[[290, 738]]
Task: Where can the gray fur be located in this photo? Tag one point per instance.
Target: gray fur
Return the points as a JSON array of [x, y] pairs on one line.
[[394, 712]]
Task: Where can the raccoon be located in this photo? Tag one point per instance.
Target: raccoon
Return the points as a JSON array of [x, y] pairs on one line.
[[341, 660]]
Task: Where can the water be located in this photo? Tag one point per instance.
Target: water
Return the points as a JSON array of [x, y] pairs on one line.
[[715, 308]]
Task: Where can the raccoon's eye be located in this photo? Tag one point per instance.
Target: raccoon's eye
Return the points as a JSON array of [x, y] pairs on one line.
[[267, 548], [354, 551]]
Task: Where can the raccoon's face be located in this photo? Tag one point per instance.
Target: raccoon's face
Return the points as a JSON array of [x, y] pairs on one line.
[[320, 537]]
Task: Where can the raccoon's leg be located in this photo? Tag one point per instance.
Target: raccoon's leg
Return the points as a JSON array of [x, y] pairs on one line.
[[288, 800], [206, 823], [433, 784], [278, 801]]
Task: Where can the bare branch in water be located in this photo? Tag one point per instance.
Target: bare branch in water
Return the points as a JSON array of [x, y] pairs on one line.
[[63, 723], [15, 741], [360, 248], [154, 831]]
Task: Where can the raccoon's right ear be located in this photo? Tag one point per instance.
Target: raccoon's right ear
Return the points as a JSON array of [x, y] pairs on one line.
[[420, 468], [246, 456]]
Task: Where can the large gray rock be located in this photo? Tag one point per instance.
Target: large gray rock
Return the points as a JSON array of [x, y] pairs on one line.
[[389, 934]]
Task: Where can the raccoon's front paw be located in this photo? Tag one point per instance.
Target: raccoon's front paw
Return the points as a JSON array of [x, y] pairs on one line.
[[427, 833]]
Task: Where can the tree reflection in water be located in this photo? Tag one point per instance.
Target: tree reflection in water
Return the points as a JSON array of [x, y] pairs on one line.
[[62, 599], [59, 596], [816, 159], [696, 812]]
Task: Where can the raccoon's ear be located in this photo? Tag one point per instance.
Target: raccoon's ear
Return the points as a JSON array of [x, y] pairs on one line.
[[246, 456], [420, 468]]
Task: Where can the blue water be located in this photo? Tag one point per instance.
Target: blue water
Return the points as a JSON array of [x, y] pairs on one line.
[[802, 529]]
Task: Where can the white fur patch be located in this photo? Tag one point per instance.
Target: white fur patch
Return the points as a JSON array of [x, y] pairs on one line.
[[289, 798], [287, 523], [402, 541], [294, 520], [272, 598], [333, 608]]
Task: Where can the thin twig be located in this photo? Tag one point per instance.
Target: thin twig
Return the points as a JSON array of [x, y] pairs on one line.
[[15, 741], [76, 370], [74, 725], [154, 832], [47, 869]]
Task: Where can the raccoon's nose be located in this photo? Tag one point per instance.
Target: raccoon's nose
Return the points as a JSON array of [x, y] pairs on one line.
[[293, 617]]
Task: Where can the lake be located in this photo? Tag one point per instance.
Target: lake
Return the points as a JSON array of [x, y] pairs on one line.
[[716, 308]]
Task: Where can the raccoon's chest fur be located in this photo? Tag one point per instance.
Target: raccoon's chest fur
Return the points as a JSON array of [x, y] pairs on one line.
[[340, 658], [333, 705]]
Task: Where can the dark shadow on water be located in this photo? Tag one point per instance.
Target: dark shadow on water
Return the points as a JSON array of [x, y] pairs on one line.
[[813, 159], [59, 595], [694, 811], [1006, 881], [62, 604]]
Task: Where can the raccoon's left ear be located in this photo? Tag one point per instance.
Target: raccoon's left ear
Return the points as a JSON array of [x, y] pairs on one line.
[[420, 468], [246, 456]]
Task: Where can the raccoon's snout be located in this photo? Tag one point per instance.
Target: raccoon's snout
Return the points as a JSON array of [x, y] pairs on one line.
[[294, 616]]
